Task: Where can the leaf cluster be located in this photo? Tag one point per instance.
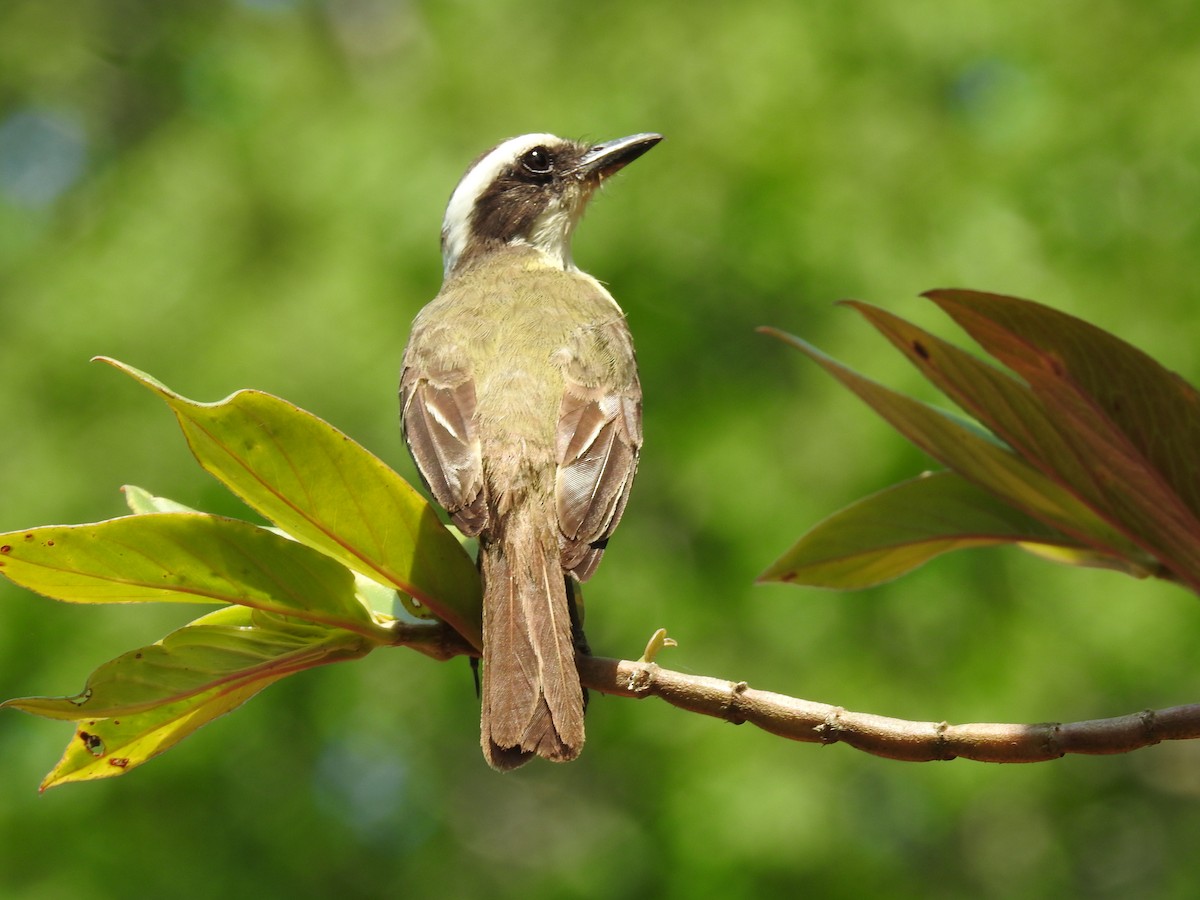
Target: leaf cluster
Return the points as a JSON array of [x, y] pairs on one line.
[[354, 554], [1086, 455]]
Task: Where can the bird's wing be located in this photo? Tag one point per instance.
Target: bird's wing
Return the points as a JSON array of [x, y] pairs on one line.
[[599, 438], [438, 413]]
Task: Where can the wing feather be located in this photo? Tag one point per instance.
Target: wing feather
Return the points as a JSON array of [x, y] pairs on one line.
[[439, 426], [599, 439]]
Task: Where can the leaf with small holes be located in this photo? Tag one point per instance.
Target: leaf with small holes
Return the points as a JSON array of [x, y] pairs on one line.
[[232, 646], [146, 701]]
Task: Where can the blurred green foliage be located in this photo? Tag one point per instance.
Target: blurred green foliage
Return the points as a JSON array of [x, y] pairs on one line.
[[247, 194]]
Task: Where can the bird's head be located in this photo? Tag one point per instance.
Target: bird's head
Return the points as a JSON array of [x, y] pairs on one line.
[[530, 190]]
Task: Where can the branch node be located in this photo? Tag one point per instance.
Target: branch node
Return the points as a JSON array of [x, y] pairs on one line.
[[1150, 725], [1052, 742], [734, 705], [641, 679], [941, 743], [830, 731]]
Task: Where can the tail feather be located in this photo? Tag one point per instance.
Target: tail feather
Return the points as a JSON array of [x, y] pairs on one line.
[[532, 701]]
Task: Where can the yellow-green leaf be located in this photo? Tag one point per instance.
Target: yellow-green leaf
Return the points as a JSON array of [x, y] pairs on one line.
[[184, 558], [381, 598], [142, 501], [144, 702], [105, 748], [229, 646], [889, 533], [322, 488]]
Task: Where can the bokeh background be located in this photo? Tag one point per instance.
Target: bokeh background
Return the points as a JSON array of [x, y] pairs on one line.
[[247, 194]]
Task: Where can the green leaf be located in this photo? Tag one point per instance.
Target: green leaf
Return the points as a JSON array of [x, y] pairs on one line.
[[371, 594], [327, 491], [141, 501], [144, 702], [232, 646], [1010, 409], [889, 533], [1083, 556], [184, 558], [104, 748], [1130, 425], [976, 455]]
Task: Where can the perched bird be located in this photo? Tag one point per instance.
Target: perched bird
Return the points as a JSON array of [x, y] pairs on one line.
[[521, 406]]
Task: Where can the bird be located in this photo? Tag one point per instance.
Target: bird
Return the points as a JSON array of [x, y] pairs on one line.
[[522, 409]]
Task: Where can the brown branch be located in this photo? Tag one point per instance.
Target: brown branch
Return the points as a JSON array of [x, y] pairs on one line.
[[435, 639], [821, 723]]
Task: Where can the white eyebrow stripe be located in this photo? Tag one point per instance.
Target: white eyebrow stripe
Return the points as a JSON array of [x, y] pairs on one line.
[[457, 223]]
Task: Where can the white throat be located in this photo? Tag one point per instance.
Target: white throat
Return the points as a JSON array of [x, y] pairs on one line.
[[551, 236]]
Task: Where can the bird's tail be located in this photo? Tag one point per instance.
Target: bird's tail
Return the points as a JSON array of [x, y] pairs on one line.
[[532, 701]]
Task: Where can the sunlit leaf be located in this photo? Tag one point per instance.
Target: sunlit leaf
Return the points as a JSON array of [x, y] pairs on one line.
[[382, 598], [141, 501], [1083, 556], [892, 532], [144, 702], [104, 748], [229, 647], [187, 558], [327, 491]]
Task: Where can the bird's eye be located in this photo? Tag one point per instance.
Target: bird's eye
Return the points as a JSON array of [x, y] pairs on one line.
[[537, 161]]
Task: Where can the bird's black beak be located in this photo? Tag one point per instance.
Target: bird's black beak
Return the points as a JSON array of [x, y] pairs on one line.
[[610, 157]]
